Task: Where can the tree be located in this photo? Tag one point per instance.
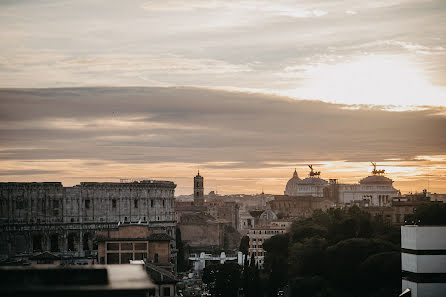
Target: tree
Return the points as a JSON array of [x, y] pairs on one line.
[[383, 269], [251, 278], [181, 261], [276, 262], [223, 280], [429, 214], [244, 245], [335, 253]]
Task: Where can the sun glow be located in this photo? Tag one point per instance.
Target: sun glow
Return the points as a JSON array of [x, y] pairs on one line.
[[370, 79]]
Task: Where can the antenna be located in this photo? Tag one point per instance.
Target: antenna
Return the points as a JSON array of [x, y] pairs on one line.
[[428, 178]]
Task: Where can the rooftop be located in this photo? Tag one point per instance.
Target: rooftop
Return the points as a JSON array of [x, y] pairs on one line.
[[111, 280]]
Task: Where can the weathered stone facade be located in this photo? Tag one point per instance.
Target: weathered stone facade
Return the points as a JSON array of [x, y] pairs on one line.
[[298, 206], [49, 217]]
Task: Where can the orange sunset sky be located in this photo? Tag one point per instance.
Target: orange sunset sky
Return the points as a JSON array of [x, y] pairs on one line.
[[244, 91]]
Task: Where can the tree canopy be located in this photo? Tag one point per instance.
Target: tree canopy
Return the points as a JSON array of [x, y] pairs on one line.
[[335, 253]]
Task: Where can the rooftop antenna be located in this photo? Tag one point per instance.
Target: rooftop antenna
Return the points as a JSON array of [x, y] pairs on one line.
[[428, 179]]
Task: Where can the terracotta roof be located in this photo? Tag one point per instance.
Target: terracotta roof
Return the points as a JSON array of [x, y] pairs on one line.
[[45, 256]]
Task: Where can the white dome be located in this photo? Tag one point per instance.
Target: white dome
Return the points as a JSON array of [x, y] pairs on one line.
[[291, 185], [376, 179]]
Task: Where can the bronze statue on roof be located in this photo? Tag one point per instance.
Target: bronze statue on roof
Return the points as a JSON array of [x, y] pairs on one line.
[[314, 173], [376, 172]]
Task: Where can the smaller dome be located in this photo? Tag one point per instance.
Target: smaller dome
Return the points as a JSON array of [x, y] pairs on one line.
[[376, 179], [313, 181], [291, 185]]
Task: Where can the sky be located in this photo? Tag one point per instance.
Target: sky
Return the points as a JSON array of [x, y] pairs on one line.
[[245, 91]]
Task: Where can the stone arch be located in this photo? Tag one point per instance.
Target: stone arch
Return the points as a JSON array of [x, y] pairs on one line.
[[20, 243], [72, 239], [37, 242], [87, 243], [54, 242]]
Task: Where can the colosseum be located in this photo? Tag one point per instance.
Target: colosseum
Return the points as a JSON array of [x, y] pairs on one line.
[[46, 216]]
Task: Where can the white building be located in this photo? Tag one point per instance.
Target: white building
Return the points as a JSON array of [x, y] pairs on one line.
[[257, 237], [376, 188], [310, 186], [199, 261], [423, 260]]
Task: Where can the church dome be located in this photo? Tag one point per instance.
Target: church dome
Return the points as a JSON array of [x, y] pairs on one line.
[[291, 185], [376, 179]]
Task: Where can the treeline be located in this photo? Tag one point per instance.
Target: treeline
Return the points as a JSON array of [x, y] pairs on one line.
[[335, 253], [339, 252]]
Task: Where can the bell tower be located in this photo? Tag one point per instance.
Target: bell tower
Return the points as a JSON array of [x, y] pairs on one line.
[[198, 190]]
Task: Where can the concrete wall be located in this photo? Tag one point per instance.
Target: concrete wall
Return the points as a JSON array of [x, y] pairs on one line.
[[423, 260], [423, 237], [423, 263], [201, 234], [425, 289]]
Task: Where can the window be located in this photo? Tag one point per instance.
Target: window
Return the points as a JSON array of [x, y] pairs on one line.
[[140, 256], [164, 203], [112, 246], [166, 291], [127, 246], [114, 203], [87, 204], [141, 246], [55, 203], [155, 258], [112, 258], [135, 203], [151, 202], [126, 257]]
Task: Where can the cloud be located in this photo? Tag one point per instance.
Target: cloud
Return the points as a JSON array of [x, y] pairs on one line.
[[198, 125], [241, 142]]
